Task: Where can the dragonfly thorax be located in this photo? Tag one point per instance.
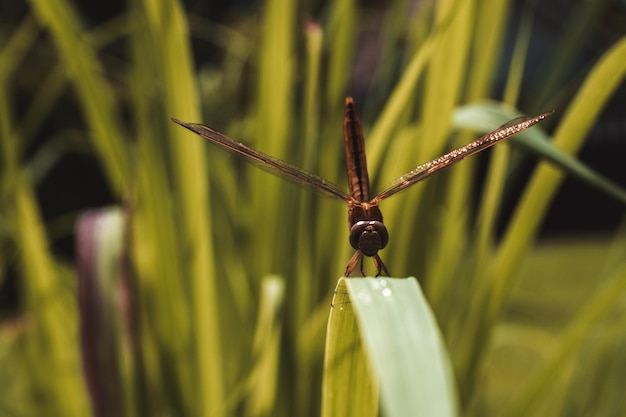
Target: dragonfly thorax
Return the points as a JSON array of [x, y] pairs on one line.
[[369, 236]]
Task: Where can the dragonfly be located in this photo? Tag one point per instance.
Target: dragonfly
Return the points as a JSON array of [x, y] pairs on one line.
[[368, 234]]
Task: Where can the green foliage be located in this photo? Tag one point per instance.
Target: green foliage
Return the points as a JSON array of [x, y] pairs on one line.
[[397, 336], [180, 310]]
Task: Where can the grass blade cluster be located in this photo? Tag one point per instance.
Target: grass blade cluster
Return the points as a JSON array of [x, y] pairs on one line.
[[213, 331]]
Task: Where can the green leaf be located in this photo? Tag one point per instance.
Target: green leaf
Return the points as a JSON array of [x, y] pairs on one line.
[[489, 115], [402, 342], [96, 97]]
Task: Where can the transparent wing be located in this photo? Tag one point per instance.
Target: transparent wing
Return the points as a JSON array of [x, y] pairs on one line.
[[268, 163], [425, 170]]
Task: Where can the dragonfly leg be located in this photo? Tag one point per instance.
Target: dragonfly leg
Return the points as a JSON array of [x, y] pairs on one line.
[[362, 271], [358, 256], [380, 266]]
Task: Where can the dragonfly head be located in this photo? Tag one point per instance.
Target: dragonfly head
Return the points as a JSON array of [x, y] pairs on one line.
[[369, 236]]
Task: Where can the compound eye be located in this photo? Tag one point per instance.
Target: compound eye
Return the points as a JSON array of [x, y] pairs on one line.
[[356, 231], [369, 237]]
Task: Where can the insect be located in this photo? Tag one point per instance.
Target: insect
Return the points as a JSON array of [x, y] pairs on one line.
[[368, 234]]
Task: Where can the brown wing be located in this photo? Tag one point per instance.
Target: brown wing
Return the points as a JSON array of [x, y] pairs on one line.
[[268, 163], [425, 170]]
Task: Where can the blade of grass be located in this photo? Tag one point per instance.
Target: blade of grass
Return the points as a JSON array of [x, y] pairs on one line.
[[443, 90], [96, 97], [446, 72], [14, 50], [392, 35], [11, 55], [308, 287], [488, 34], [273, 124], [341, 35], [51, 349], [165, 327], [491, 198], [488, 116], [340, 43], [348, 388], [386, 123], [520, 52], [171, 50], [402, 342], [489, 30], [263, 382], [50, 90]]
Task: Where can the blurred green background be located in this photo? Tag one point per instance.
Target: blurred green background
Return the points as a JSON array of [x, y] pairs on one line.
[[145, 272]]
